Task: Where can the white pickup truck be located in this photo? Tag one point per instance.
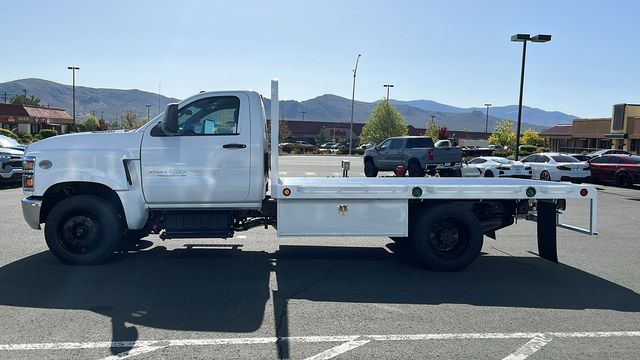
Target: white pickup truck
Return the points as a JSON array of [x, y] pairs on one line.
[[204, 169]]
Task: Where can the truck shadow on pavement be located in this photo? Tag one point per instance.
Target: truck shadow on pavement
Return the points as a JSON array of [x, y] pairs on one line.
[[227, 289]]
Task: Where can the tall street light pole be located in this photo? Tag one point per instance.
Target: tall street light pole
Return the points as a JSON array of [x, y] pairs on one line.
[[303, 112], [148, 111], [73, 70], [524, 38], [353, 100], [388, 86], [486, 122]]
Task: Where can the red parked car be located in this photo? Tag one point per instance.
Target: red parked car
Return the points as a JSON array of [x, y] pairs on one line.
[[624, 170]]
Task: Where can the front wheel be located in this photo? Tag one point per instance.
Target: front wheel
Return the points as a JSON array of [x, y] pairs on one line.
[[370, 169], [545, 176], [447, 238], [623, 180], [83, 230]]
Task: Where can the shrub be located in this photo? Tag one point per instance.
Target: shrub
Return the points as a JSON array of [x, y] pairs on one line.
[[37, 137], [503, 153], [528, 148], [9, 133], [26, 139], [47, 133]]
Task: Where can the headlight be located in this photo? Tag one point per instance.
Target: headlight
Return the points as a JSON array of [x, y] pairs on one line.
[[28, 177], [5, 156]]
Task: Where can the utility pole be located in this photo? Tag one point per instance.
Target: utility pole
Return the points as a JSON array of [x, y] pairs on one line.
[[148, 107], [73, 70], [486, 122], [353, 100], [303, 112]]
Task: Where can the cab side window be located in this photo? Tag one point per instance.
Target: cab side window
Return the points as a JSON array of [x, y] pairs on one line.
[[385, 145], [396, 144], [210, 116]]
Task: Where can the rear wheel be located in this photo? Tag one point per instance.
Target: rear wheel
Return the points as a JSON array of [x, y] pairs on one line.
[[545, 176], [415, 170], [83, 230], [488, 173], [370, 169], [446, 238], [623, 180]]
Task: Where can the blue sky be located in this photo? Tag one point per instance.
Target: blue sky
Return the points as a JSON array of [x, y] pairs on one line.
[[455, 52]]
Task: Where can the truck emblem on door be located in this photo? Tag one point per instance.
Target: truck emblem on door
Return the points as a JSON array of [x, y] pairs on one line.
[[343, 209]]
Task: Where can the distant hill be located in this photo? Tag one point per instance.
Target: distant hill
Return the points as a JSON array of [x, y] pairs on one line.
[[329, 108], [110, 101], [529, 115], [333, 108]]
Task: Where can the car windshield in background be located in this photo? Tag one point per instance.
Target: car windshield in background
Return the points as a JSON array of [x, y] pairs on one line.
[[7, 142], [565, 159], [419, 143], [597, 153], [501, 160]]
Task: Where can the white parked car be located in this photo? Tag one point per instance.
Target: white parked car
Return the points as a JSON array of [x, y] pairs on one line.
[[495, 166], [558, 167]]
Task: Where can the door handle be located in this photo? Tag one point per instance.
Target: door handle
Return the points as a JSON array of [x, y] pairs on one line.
[[234, 146]]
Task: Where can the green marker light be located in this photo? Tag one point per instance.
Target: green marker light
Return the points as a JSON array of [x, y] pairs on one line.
[[416, 192], [531, 192]]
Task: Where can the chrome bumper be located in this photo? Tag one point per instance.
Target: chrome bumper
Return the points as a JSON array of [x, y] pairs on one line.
[[31, 212]]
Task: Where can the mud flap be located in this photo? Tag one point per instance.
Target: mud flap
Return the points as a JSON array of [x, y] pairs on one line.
[[546, 222]]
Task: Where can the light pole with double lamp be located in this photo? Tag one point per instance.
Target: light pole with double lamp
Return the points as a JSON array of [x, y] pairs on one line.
[[73, 91], [524, 38], [388, 86]]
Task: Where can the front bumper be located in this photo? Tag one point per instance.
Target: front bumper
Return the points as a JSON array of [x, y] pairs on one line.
[[31, 212]]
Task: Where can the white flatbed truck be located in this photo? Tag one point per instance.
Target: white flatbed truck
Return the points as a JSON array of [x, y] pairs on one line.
[[203, 169]]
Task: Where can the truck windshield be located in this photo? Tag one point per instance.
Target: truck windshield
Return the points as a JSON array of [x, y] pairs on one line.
[[413, 143]]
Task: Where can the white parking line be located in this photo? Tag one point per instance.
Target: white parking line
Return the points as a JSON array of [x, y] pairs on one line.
[[133, 352], [338, 350], [529, 348], [349, 342]]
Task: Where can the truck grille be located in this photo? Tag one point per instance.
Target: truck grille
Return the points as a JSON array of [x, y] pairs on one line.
[[16, 162]]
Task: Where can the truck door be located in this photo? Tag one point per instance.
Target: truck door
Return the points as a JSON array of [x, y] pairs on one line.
[[207, 162], [382, 157]]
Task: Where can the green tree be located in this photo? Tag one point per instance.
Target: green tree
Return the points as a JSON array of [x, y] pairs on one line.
[[432, 132], [321, 138], [385, 121], [284, 132], [130, 120], [503, 134], [530, 137], [25, 100], [89, 124]]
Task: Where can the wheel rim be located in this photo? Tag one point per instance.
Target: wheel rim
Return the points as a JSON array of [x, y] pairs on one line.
[[488, 173], [623, 180], [545, 176], [448, 239], [79, 233]]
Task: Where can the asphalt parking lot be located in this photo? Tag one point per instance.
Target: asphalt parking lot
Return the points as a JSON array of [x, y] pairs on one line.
[[259, 297]]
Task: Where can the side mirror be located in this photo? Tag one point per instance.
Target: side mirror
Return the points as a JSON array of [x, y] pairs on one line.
[[170, 119]]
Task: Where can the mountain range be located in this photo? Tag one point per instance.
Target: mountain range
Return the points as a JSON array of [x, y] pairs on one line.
[[109, 103]]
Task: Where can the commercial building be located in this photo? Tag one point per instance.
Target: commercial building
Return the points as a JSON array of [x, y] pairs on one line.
[[621, 131], [30, 120]]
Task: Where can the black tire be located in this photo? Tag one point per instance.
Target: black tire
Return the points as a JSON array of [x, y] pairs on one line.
[[623, 180], [446, 238], [545, 176], [83, 230], [488, 173], [414, 169], [370, 169]]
